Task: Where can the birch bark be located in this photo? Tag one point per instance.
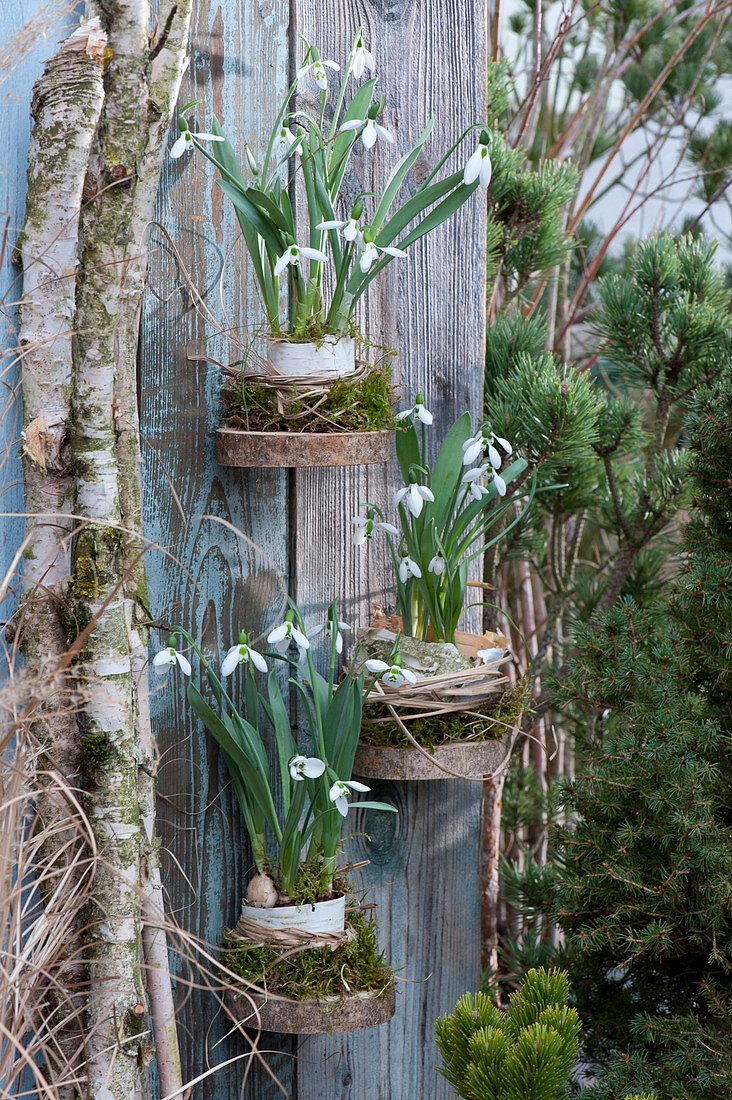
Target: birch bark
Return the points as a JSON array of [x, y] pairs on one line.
[[67, 101], [141, 84], [94, 171]]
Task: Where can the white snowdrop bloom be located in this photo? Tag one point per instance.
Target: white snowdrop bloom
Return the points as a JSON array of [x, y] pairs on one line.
[[319, 74], [437, 565], [415, 495], [341, 792], [473, 449], [408, 568], [306, 767], [419, 411], [285, 141], [351, 229], [371, 253], [499, 483], [285, 633], [394, 675], [170, 656], [365, 526], [362, 59], [294, 254], [478, 167], [184, 143], [239, 655], [491, 656], [369, 129]]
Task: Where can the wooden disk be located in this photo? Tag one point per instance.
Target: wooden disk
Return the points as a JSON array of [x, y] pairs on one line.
[[235, 447], [311, 1017], [468, 758]]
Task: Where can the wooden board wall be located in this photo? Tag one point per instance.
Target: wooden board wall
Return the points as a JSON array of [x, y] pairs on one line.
[[424, 866], [211, 579], [424, 871]]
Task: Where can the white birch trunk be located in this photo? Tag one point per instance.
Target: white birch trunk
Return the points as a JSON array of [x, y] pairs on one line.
[[141, 92], [67, 101], [81, 414]]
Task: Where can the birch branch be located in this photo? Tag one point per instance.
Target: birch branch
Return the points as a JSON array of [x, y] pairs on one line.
[[67, 101]]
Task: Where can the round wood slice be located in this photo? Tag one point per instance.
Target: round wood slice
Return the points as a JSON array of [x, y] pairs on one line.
[[288, 1017], [469, 758], [235, 447]]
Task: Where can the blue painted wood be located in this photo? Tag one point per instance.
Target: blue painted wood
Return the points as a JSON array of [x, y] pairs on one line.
[[424, 873], [24, 66], [214, 583]]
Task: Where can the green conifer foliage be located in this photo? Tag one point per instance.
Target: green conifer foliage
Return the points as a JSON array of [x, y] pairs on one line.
[[642, 886], [527, 1051]]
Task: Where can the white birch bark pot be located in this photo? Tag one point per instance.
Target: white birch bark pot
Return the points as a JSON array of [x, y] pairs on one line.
[[332, 357], [315, 918]]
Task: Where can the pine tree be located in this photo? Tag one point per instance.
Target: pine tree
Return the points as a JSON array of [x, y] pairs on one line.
[[642, 886], [528, 1050]]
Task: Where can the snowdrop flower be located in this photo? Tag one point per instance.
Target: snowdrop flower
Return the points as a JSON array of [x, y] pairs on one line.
[[170, 656], [287, 632], [491, 656], [341, 792], [479, 165], [362, 59], [394, 675], [240, 654], [351, 229], [184, 143], [417, 410], [371, 253], [319, 73], [370, 130], [365, 526], [415, 495], [285, 141], [437, 565], [294, 255], [473, 448], [408, 568], [306, 767], [474, 477]]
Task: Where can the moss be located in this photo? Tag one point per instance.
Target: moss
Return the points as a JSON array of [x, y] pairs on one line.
[[366, 405], [95, 752], [500, 714], [358, 966], [85, 578]]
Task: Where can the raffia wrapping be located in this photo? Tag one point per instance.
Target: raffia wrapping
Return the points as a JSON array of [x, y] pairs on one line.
[[251, 933], [448, 693]]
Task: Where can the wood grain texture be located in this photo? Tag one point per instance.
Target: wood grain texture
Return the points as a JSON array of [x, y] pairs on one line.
[[468, 758], [213, 581], [286, 450], [424, 871], [330, 1014]]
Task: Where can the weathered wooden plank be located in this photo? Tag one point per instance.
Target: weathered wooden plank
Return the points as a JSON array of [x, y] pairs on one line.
[[217, 583], [425, 865]]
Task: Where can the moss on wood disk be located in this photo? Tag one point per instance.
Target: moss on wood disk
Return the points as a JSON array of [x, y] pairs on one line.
[[501, 715], [357, 967], [365, 405]]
